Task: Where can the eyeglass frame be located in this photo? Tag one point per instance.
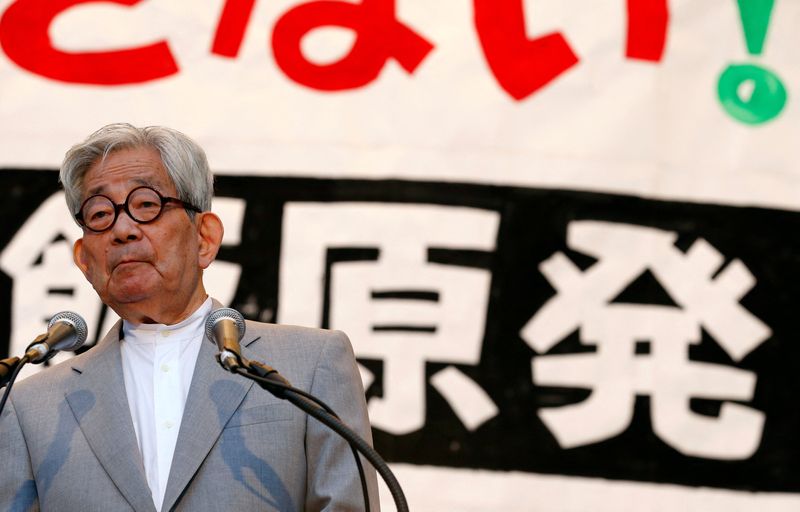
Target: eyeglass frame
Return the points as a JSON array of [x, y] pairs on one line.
[[118, 207]]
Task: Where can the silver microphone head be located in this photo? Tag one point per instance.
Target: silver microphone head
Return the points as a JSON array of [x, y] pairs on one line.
[[221, 314], [227, 337], [77, 322]]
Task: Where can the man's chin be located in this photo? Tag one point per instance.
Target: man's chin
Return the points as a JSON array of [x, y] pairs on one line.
[[132, 305], [131, 294]]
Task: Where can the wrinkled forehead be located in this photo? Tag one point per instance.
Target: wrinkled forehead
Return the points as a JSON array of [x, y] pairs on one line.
[[125, 169]]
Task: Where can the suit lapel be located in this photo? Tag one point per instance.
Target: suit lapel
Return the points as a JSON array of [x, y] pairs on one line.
[[213, 398], [100, 405]]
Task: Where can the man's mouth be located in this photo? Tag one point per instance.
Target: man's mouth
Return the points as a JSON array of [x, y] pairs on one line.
[[126, 263]]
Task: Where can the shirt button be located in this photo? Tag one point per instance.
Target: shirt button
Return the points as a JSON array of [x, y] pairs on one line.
[[165, 367], [168, 424], [165, 333]]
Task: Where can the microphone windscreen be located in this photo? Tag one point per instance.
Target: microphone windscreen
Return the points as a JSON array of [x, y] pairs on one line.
[[77, 322], [224, 313]]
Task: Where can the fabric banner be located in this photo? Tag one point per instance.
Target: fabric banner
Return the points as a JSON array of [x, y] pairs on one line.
[[503, 328]]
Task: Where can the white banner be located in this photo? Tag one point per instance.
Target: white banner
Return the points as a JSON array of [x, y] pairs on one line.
[[419, 97]]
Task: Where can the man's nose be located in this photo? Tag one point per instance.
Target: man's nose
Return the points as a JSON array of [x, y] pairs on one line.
[[126, 229]]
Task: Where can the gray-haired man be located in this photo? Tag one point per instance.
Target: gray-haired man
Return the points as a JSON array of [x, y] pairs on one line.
[[147, 420]]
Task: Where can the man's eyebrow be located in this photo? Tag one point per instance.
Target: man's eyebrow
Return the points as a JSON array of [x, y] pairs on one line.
[[137, 181]]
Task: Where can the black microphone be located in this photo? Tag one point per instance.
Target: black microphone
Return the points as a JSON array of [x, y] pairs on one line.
[[226, 327], [66, 331]]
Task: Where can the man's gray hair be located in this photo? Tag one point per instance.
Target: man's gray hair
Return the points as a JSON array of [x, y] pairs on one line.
[[184, 160]]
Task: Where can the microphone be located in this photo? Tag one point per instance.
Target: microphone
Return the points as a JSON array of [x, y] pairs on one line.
[[66, 331], [226, 327]]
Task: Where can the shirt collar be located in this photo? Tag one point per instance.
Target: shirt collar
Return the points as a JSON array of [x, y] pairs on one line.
[[186, 328]]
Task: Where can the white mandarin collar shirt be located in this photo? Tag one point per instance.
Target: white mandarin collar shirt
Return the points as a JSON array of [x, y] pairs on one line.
[[157, 366]]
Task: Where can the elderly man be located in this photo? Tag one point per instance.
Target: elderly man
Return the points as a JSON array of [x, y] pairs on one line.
[[147, 420]]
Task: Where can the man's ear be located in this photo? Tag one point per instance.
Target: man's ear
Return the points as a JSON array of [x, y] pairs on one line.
[[78, 256], [209, 237]]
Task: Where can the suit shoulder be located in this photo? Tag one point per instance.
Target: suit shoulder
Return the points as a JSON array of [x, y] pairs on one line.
[[294, 338], [295, 333], [52, 378]]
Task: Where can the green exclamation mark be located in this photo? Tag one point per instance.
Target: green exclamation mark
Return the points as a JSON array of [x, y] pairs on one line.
[[750, 93]]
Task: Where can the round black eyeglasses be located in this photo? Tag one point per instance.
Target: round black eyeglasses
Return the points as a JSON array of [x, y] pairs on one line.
[[143, 204]]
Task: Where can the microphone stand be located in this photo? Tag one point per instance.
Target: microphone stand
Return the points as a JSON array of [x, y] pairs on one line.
[[280, 385], [62, 326], [7, 367], [15, 364], [269, 379], [9, 370]]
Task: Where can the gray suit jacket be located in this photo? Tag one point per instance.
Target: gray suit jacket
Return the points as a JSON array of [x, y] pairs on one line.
[[67, 440]]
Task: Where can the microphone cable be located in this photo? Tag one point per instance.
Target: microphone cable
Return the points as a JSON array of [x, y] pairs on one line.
[[22, 362], [271, 375], [328, 418]]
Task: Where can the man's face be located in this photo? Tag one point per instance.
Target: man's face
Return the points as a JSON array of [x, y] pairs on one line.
[[143, 271]]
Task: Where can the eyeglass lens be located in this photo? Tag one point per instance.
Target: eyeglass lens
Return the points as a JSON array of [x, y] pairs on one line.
[[143, 205]]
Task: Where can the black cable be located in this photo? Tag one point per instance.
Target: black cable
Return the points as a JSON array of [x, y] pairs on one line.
[[22, 362], [7, 369], [362, 477], [271, 374], [298, 398], [356, 441]]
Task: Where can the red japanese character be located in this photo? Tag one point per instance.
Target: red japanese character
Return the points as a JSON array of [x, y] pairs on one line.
[[379, 36], [25, 39], [647, 29], [232, 25], [521, 65]]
